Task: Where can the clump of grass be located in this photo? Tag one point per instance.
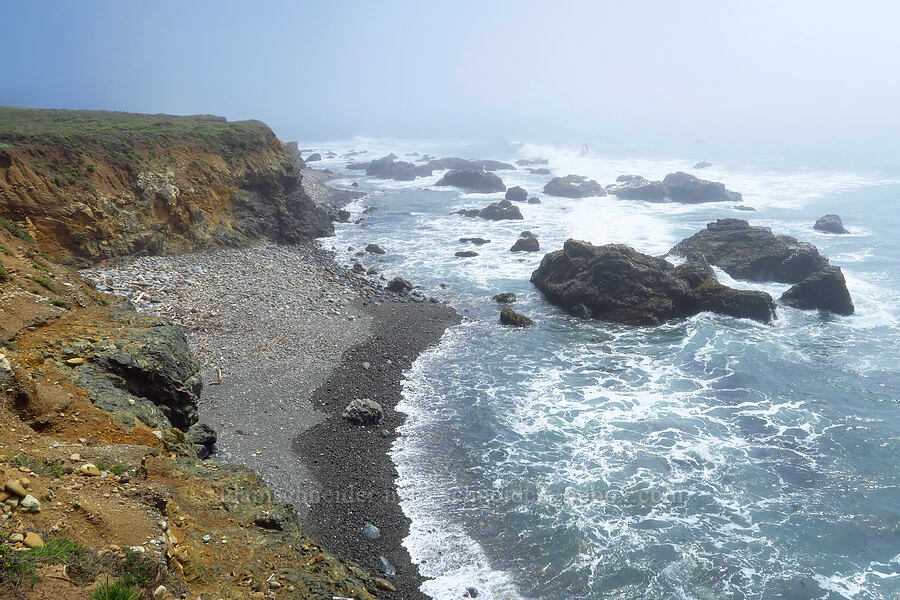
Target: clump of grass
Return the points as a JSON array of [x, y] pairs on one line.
[[14, 564], [59, 303], [5, 250], [116, 590], [44, 283], [40, 267], [17, 231], [4, 274]]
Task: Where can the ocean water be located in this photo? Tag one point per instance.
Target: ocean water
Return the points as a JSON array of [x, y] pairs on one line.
[[706, 458]]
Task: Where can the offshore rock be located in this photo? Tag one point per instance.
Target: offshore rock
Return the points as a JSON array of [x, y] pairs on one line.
[[497, 211], [516, 194], [573, 186], [749, 252], [675, 187], [617, 283], [826, 289], [510, 317], [830, 224], [477, 181]]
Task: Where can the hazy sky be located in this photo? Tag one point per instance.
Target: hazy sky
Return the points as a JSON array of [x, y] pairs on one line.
[[330, 69]]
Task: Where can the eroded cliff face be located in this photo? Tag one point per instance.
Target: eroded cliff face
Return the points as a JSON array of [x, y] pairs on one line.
[[99, 185]]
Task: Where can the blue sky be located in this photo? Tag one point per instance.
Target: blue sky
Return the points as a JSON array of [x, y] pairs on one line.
[[316, 70]]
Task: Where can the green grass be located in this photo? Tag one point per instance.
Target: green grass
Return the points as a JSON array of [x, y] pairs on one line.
[[5, 250], [40, 267], [119, 135], [44, 283], [15, 564], [138, 571], [115, 590], [17, 231], [4, 274]]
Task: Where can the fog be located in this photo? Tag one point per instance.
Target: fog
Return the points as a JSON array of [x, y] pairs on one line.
[[550, 70]]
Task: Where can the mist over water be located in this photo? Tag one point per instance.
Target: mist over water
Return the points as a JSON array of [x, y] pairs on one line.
[[710, 457]]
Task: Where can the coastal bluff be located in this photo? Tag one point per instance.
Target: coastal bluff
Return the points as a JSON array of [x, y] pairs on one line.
[[92, 185]]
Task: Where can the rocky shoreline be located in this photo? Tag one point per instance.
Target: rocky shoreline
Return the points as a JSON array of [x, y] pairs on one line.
[[286, 338]]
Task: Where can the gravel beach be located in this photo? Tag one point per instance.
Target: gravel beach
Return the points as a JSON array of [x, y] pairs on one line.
[[286, 339]]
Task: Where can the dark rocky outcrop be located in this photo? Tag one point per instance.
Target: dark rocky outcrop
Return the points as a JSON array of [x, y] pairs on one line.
[[826, 289], [573, 186], [358, 166], [476, 181], [516, 194], [510, 317], [152, 372], [743, 207], [466, 254], [755, 253], [497, 211], [314, 157], [527, 162], [505, 298], [617, 283], [527, 242], [203, 437], [830, 224], [462, 164], [374, 249], [675, 187], [541, 171]]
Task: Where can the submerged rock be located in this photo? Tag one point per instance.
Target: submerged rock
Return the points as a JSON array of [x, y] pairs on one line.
[[830, 224], [635, 187], [826, 289], [510, 317], [477, 181], [573, 186], [466, 254], [474, 240], [617, 283]]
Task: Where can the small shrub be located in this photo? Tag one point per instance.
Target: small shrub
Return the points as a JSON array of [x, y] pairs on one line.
[[4, 274], [17, 231]]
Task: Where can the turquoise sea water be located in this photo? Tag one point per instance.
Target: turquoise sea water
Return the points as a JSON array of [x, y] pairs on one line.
[[706, 458]]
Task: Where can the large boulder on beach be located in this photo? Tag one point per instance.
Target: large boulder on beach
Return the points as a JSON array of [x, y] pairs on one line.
[[573, 186], [516, 194], [749, 252], [363, 411], [830, 224], [476, 181], [617, 283], [496, 211], [826, 289], [388, 167], [398, 285]]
